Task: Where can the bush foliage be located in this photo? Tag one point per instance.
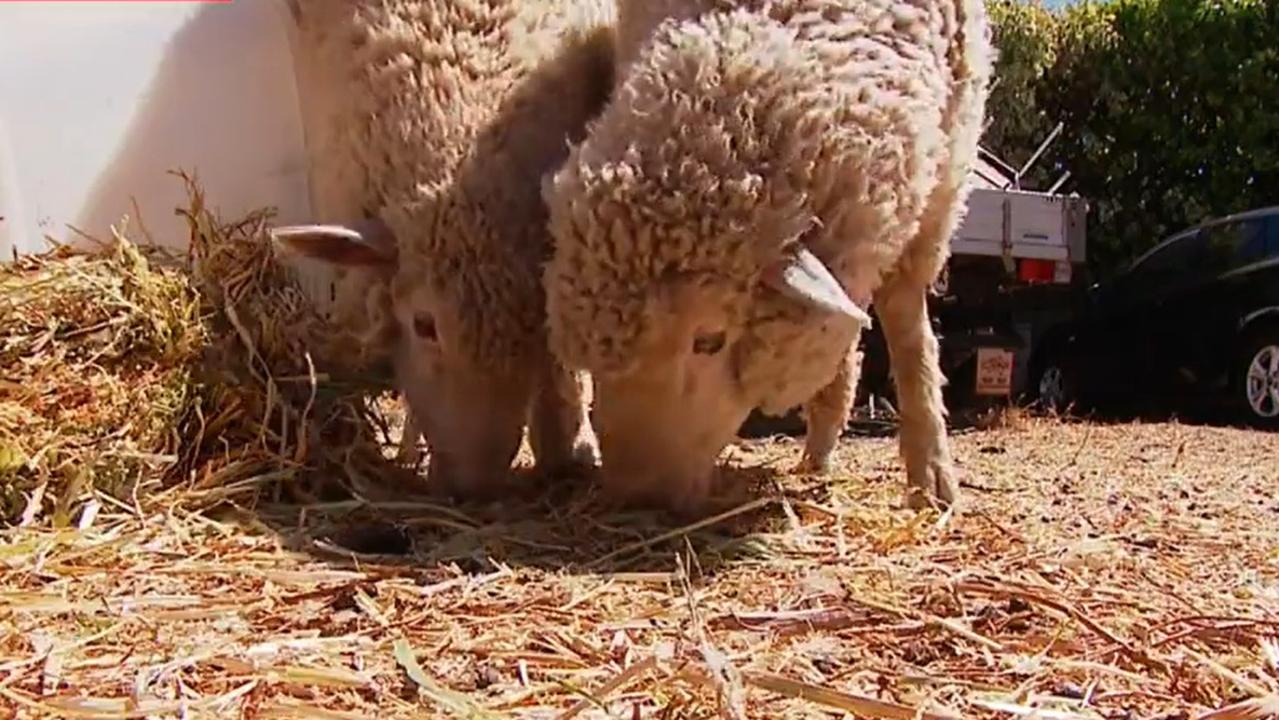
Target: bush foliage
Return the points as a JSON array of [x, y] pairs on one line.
[[1170, 110]]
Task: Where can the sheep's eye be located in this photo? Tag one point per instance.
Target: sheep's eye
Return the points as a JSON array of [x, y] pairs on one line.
[[709, 343], [424, 326]]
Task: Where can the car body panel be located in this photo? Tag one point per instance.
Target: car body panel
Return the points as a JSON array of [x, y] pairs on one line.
[[1174, 320]]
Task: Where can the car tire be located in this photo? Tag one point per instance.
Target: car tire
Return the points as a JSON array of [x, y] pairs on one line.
[[1052, 384], [1256, 388]]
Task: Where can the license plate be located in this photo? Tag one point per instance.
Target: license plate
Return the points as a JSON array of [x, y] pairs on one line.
[[994, 371]]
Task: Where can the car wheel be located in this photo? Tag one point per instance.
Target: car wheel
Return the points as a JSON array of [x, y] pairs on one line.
[[1053, 386], [1259, 373]]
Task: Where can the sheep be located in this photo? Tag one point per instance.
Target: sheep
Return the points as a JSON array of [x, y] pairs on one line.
[[431, 124], [763, 172], [352, 304]]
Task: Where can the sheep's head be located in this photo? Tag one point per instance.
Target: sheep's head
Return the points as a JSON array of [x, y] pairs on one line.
[[679, 253], [678, 370], [471, 414]]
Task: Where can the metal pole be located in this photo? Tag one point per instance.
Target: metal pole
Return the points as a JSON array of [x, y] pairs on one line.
[[1043, 146], [1060, 181]]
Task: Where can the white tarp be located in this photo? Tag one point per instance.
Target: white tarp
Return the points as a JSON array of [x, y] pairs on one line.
[[99, 100]]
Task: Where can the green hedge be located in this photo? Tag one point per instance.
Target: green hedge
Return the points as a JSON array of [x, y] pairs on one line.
[[1170, 107]]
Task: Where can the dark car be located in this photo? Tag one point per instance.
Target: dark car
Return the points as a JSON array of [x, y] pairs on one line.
[[1196, 317]]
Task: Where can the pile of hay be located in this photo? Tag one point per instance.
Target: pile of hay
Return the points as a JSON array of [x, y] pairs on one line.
[[96, 358], [125, 370]]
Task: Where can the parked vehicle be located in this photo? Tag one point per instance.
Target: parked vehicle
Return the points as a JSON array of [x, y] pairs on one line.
[[1194, 318], [1016, 261]]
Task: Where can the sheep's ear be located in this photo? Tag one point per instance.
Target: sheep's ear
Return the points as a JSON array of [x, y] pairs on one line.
[[800, 276], [368, 243]]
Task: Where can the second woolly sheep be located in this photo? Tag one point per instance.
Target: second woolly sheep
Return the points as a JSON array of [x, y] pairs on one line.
[[764, 172]]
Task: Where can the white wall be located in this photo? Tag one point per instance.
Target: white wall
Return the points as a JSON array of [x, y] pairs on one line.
[[99, 100]]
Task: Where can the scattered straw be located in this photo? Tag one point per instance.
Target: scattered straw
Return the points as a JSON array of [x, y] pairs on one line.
[[260, 558]]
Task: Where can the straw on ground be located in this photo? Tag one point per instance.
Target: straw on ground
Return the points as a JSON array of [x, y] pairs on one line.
[[265, 559]]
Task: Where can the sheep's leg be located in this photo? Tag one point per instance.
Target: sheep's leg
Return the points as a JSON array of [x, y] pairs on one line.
[[827, 413], [914, 356], [410, 452], [560, 431]]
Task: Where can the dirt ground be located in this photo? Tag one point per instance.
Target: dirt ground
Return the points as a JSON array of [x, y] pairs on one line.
[[1096, 571]]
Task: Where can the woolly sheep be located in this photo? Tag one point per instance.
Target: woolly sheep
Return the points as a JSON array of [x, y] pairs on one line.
[[431, 124], [763, 172], [356, 297]]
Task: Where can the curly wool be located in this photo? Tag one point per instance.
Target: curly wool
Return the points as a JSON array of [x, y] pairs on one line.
[[734, 125], [442, 121]]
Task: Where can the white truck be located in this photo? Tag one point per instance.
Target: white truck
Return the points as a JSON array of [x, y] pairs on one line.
[[1016, 264], [1016, 261]]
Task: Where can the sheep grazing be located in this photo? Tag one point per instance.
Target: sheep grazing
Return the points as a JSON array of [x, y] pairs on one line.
[[762, 173], [356, 297], [430, 125]]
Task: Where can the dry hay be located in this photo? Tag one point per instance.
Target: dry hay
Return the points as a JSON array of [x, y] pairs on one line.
[[289, 399], [1099, 571], [96, 352], [126, 369]]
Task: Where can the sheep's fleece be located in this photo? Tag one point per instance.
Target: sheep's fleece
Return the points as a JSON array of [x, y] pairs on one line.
[[430, 125], [764, 170]]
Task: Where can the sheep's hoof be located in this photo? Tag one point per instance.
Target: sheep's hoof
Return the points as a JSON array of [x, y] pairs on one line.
[[815, 465], [583, 460], [936, 489], [586, 454]]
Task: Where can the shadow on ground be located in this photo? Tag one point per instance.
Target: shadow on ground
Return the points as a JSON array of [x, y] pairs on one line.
[[560, 526], [565, 526]]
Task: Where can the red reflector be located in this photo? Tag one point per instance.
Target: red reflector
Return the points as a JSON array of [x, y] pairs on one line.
[[1035, 271]]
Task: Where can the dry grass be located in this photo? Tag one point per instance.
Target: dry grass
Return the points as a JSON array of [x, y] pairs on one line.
[[97, 353], [1101, 571], [1098, 571], [126, 369]]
